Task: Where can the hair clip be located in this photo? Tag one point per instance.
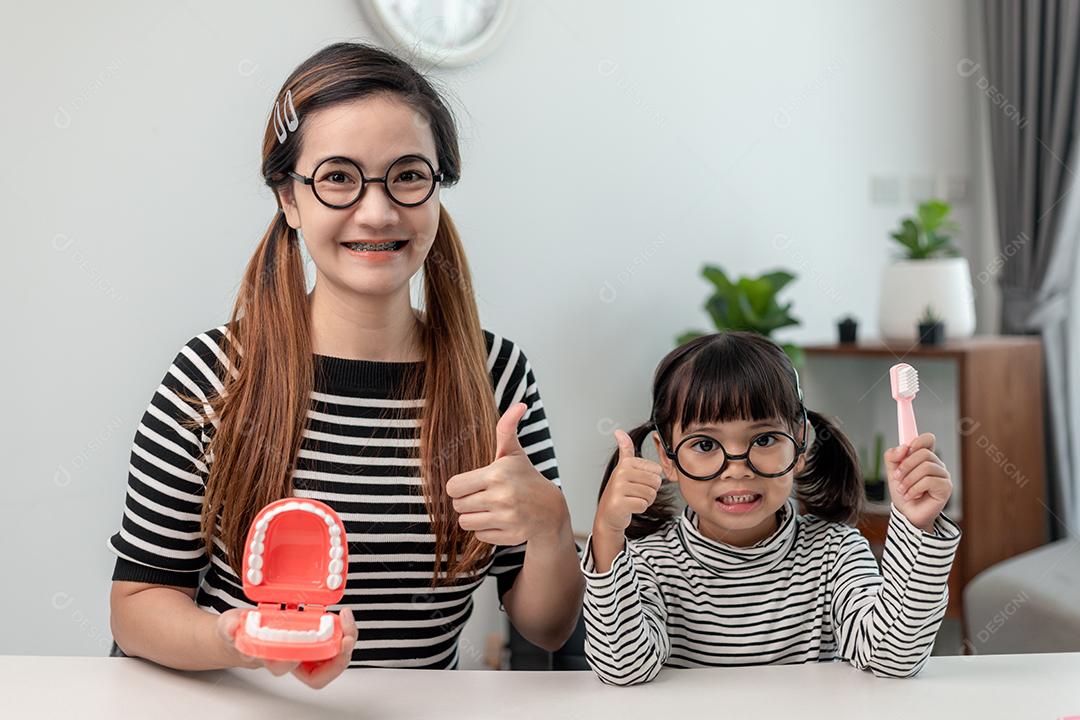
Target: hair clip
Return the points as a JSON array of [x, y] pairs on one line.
[[290, 123], [798, 387]]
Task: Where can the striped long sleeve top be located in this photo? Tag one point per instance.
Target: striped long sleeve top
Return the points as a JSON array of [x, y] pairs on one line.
[[810, 592], [359, 454]]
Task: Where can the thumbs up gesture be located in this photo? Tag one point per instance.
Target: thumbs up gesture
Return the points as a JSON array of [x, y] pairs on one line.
[[506, 439], [508, 502], [631, 489]]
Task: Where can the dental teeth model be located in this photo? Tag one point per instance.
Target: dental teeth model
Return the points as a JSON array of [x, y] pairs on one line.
[[295, 566], [254, 628], [257, 545]]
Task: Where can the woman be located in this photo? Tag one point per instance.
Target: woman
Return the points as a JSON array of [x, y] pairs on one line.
[[350, 396]]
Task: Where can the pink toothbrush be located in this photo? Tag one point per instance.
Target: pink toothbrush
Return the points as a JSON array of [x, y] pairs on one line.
[[905, 383]]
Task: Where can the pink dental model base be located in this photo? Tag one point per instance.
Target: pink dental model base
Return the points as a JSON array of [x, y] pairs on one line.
[[295, 564]]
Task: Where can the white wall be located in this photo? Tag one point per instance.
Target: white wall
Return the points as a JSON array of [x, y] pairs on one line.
[[610, 150]]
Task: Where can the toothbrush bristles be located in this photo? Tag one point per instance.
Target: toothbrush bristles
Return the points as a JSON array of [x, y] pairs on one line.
[[908, 381]]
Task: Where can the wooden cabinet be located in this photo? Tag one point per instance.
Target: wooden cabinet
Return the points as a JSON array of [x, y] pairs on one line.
[[982, 398]]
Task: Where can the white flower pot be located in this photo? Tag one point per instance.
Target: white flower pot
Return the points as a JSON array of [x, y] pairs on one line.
[[908, 286]]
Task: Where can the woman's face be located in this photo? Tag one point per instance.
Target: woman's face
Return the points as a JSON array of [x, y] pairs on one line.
[[373, 132], [719, 516]]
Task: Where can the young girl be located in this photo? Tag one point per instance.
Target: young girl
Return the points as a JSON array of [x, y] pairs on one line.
[[349, 396], [741, 577]]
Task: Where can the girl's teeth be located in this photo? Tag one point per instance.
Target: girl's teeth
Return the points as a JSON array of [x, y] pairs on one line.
[[738, 499]]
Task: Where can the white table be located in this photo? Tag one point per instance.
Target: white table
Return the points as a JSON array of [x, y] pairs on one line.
[[1016, 687]]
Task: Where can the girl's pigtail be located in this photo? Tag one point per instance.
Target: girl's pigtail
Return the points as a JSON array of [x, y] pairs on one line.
[[830, 485], [663, 509]]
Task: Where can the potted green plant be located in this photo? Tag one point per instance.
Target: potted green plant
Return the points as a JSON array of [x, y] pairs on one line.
[[874, 481], [748, 303], [931, 327], [929, 270]]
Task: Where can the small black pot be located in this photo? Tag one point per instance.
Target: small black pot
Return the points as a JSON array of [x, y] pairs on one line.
[[848, 330], [875, 492], [932, 333]]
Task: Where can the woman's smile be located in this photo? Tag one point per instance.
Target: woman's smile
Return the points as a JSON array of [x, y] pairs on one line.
[[375, 251]]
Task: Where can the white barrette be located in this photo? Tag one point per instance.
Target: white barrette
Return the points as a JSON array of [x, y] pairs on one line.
[[290, 122]]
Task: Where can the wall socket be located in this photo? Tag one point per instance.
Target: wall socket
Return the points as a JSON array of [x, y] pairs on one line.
[[953, 188], [921, 188], [888, 190]]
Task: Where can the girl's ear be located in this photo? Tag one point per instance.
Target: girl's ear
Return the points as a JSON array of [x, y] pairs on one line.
[[665, 462], [800, 464]]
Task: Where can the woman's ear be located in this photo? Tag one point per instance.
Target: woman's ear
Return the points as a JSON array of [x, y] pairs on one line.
[[288, 205]]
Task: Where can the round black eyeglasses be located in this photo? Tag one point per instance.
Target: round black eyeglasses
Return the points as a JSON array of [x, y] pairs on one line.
[[702, 457], [338, 182]]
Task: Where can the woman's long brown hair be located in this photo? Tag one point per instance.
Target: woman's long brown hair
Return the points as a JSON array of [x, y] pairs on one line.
[[262, 410]]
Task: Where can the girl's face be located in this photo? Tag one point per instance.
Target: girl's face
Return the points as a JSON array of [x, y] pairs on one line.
[[738, 524], [372, 132]]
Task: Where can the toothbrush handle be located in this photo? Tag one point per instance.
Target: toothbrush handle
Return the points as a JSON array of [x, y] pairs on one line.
[[905, 420]]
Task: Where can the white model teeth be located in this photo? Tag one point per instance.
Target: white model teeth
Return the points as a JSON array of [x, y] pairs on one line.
[[253, 627], [336, 568], [372, 246], [737, 499]]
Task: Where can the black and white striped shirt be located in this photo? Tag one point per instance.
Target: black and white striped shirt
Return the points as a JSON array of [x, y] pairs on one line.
[[810, 592], [359, 454]]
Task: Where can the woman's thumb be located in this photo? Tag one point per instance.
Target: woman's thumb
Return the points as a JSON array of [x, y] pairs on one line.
[[228, 623], [506, 439]]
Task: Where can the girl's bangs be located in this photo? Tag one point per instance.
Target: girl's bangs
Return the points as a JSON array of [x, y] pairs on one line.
[[726, 382]]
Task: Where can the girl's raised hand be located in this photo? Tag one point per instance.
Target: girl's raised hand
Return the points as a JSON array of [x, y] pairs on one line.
[[630, 490], [919, 482], [315, 674]]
